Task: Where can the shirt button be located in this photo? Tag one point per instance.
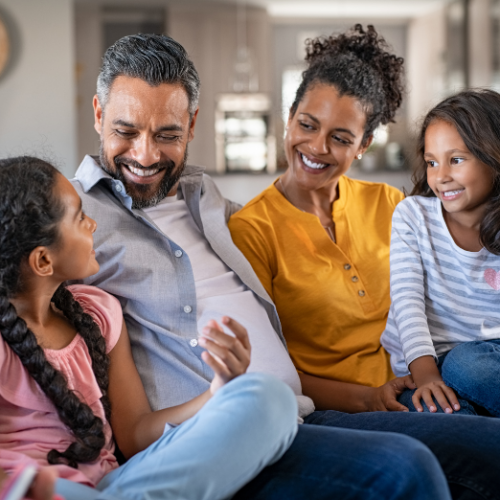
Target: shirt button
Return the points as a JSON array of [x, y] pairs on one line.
[[118, 188], [354, 279], [347, 267], [178, 253], [361, 293], [187, 309], [193, 342]]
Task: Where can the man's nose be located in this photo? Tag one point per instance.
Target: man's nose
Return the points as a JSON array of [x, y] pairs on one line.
[[145, 151]]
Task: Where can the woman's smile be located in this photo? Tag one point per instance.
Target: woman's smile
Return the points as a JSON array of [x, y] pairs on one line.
[[311, 164]]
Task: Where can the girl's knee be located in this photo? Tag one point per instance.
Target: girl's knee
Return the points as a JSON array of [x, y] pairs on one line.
[[471, 361]]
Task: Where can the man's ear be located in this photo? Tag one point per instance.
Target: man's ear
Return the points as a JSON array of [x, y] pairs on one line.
[[98, 115], [192, 123], [40, 262]]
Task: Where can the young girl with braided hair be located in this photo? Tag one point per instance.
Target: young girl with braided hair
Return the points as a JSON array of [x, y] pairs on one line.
[[66, 370]]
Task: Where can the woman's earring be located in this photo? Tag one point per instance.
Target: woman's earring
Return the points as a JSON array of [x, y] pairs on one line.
[[360, 156]]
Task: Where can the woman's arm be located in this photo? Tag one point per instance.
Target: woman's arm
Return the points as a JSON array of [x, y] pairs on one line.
[[352, 398], [135, 426]]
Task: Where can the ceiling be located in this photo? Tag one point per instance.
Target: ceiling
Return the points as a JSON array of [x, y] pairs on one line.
[[345, 8], [319, 9]]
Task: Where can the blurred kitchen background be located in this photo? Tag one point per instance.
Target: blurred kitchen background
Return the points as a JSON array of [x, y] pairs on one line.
[[249, 54]]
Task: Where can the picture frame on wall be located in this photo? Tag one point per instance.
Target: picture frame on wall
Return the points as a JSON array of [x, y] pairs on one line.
[[4, 46]]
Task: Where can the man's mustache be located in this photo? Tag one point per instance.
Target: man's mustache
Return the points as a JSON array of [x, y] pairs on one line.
[[161, 165]]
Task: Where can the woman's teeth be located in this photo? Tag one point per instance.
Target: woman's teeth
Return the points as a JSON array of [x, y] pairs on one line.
[[143, 172], [310, 164]]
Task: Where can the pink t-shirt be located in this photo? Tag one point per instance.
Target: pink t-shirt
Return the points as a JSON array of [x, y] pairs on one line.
[[29, 424]]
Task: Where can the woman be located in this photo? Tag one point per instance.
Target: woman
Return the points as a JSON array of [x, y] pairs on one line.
[[318, 240]]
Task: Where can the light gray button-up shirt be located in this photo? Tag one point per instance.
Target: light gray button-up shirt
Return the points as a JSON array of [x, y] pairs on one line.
[[152, 277]]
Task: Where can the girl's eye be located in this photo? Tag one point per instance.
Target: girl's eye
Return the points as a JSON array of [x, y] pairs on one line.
[[431, 163], [82, 216], [456, 161]]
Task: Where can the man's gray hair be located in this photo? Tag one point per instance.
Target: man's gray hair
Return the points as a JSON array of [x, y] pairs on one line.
[[155, 59]]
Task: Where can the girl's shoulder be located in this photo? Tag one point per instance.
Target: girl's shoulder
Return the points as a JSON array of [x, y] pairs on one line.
[[417, 207], [104, 308]]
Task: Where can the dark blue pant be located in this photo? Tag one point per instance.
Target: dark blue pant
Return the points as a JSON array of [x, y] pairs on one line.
[[467, 448], [327, 463]]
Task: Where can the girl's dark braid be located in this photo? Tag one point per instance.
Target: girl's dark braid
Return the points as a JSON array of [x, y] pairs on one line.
[[89, 330], [29, 217]]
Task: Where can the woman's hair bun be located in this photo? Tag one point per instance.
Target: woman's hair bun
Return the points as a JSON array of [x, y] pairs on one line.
[[361, 64]]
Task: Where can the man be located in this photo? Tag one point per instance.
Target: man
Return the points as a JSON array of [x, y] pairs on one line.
[[166, 253]]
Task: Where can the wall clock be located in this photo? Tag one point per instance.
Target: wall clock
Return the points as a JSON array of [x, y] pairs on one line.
[[4, 46]]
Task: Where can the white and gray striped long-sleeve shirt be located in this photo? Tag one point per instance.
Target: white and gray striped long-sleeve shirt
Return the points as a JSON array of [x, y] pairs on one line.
[[441, 294]]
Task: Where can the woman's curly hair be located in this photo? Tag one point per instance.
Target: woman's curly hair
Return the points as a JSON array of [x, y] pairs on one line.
[[476, 116], [29, 217], [358, 64]]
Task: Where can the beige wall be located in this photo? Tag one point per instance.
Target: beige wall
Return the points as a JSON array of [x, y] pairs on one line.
[[480, 49], [426, 63], [208, 32], [37, 97]]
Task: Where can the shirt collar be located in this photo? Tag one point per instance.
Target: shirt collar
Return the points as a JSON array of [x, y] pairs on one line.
[[89, 173]]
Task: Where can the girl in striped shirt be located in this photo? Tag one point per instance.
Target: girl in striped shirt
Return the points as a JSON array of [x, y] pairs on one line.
[[444, 321]]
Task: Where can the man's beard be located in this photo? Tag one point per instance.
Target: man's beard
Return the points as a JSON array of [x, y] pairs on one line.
[[141, 197]]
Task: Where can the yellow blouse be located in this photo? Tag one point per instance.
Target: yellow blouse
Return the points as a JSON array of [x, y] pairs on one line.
[[332, 298]]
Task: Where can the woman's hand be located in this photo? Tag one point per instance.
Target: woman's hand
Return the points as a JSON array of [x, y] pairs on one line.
[[445, 397], [385, 396], [227, 355]]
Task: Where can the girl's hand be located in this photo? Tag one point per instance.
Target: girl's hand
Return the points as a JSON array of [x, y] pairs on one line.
[[42, 487], [386, 395], [445, 397], [227, 355]]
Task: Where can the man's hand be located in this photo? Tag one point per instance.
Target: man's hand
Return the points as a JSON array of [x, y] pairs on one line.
[[386, 395], [227, 355]]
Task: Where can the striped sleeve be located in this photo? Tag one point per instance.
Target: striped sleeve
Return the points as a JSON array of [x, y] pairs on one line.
[[407, 283]]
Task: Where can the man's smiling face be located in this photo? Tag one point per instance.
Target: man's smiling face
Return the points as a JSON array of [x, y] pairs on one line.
[[144, 133]]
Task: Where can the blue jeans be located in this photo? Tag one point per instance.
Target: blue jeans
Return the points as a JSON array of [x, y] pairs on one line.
[[467, 448], [472, 370], [249, 424]]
